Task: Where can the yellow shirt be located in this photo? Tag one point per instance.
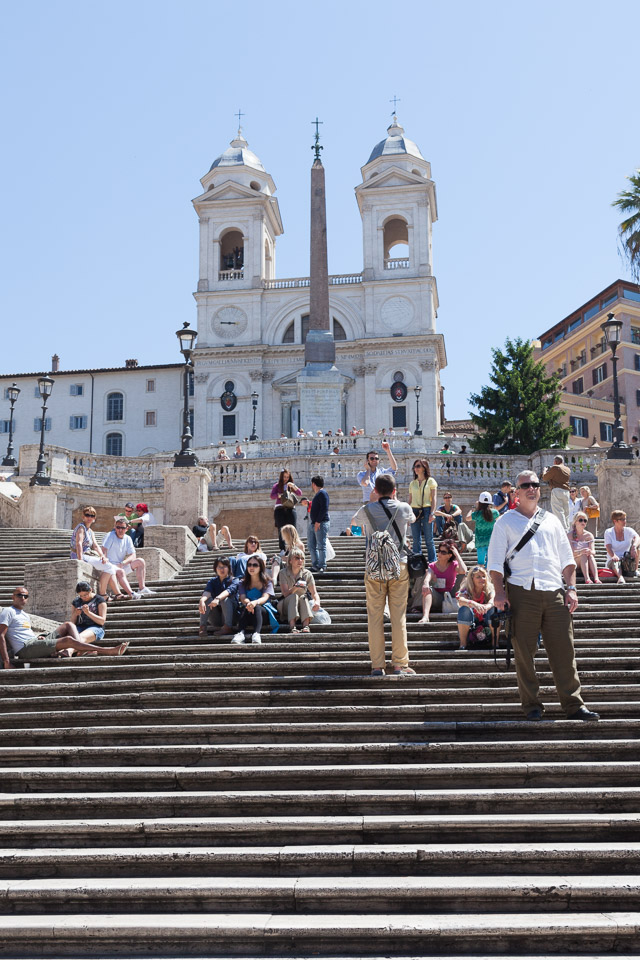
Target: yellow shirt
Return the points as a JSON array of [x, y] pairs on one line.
[[423, 497]]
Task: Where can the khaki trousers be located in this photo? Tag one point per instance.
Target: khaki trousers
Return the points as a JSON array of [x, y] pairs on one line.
[[560, 505], [544, 611], [396, 592], [295, 606]]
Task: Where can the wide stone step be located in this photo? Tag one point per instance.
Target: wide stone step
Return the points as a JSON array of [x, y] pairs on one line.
[[320, 753], [251, 803], [265, 831], [313, 895], [217, 935], [269, 731], [365, 776], [538, 858]]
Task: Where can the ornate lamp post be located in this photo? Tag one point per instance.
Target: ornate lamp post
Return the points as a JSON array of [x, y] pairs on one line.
[[254, 404], [186, 457], [40, 479], [612, 330], [417, 431], [13, 393]]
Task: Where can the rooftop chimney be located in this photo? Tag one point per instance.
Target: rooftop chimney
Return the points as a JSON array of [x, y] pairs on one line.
[[55, 363], [130, 364]]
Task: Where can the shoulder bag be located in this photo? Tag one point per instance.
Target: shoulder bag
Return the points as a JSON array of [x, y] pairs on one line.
[[526, 536]]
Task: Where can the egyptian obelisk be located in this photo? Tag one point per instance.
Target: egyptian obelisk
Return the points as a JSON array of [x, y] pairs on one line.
[[320, 384]]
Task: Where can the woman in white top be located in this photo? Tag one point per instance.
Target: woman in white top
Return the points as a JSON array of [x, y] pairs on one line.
[[618, 540], [583, 547]]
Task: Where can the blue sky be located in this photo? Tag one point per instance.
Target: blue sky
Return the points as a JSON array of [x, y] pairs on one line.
[[111, 114]]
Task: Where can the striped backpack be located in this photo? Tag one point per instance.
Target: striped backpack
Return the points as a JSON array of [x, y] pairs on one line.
[[382, 559]]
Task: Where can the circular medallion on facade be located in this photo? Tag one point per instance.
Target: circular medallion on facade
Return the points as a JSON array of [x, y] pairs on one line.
[[397, 313], [229, 323], [228, 401], [398, 375], [398, 391]]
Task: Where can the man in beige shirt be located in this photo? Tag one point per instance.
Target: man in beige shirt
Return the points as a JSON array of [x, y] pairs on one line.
[[558, 476]]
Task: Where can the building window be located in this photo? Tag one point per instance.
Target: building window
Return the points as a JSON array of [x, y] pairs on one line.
[[114, 445], [591, 312], [4, 425], [289, 336], [606, 432], [77, 389], [559, 335], [151, 386], [578, 385], [290, 333], [229, 425], [600, 374], [631, 294], [609, 299], [636, 361], [579, 426], [399, 416], [191, 420], [635, 335], [150, 418], [77, 423], [191, 383], [115, 409], [637, 399], [37, 424], [547, 343], [574, 323]]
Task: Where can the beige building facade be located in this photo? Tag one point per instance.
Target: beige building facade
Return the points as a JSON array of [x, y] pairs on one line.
[[575, 349]]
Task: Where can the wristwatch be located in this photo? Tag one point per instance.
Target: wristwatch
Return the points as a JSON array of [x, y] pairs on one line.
[[567, 589]]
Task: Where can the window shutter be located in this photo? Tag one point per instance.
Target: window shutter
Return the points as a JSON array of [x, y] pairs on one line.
[[594, 378], [603, 432], [585, 427], [604, 371]]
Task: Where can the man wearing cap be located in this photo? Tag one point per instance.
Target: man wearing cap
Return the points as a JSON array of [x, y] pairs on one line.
[[121, 552], [529, 573], [134, 522]]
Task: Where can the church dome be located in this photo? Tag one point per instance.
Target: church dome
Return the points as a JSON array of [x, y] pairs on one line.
[[395, 143], [237, 154]]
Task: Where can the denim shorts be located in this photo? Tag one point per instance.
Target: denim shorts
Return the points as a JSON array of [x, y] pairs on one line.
[[97, 631]]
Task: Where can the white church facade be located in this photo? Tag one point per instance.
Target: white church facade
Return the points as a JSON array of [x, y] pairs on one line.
[[252, 326]]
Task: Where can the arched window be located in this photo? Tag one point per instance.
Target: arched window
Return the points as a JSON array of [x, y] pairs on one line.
[[115, 406], [114, 445], [290, 333], [396, 244], [338, 330], [232, 256]]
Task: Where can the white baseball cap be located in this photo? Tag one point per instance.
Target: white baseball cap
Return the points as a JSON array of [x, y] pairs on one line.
[[485, 497]]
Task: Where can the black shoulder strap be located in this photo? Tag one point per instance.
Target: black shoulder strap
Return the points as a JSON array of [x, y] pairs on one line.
[[529, 533], [393, 521]]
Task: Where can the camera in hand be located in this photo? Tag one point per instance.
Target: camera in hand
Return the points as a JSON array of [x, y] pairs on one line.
[[500, 616]]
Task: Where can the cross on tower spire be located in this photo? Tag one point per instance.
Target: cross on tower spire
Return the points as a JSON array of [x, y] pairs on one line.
[[394, 101], [316, 146], [239, 115]]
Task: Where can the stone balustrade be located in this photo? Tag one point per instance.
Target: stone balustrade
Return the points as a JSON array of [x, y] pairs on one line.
[[336, 279], [307, 456]]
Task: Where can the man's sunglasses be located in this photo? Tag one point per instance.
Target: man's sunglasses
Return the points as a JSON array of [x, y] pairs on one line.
[[24, 595], [527, 484]]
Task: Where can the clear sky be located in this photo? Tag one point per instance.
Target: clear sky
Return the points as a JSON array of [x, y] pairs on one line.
[[112, 112]]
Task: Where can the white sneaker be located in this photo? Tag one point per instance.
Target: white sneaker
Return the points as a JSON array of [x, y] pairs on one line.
[[256, 638], [239, 638], [147, 592], [136, 595]]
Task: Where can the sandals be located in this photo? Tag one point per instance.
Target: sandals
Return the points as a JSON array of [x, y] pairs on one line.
[[295, 630], [305, 630], [123, 648]]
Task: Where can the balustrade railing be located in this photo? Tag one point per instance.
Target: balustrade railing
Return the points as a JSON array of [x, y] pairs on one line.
[[305, 457], [231, 275], [335, 279], [396, 263]]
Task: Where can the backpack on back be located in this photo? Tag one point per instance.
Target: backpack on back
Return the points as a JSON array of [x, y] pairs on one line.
[[382, 559]]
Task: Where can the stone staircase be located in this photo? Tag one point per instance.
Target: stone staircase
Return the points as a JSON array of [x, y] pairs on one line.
[[197, 799]]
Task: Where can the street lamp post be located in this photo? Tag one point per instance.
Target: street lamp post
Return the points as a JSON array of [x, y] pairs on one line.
[[186, 457], [254, 404], [40, 479], [13, 393], [612, 330], [417, 391]]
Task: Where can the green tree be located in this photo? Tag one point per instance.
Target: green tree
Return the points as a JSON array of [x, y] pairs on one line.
[[520, 412], [629, 203]]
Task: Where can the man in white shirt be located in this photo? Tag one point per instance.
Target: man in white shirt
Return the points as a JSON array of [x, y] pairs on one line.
[[539, 601], [122, 554], [367, 477]]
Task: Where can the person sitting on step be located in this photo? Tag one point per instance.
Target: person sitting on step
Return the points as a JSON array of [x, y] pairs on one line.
[[621, 542], [121, 552], [255, 590], [18, 640], [441, 578], [219, 600], [291, 539], [583, 546], [475, 599], [89, 613], [84, 546], [209, 537], [295, 583], [251, 549]]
